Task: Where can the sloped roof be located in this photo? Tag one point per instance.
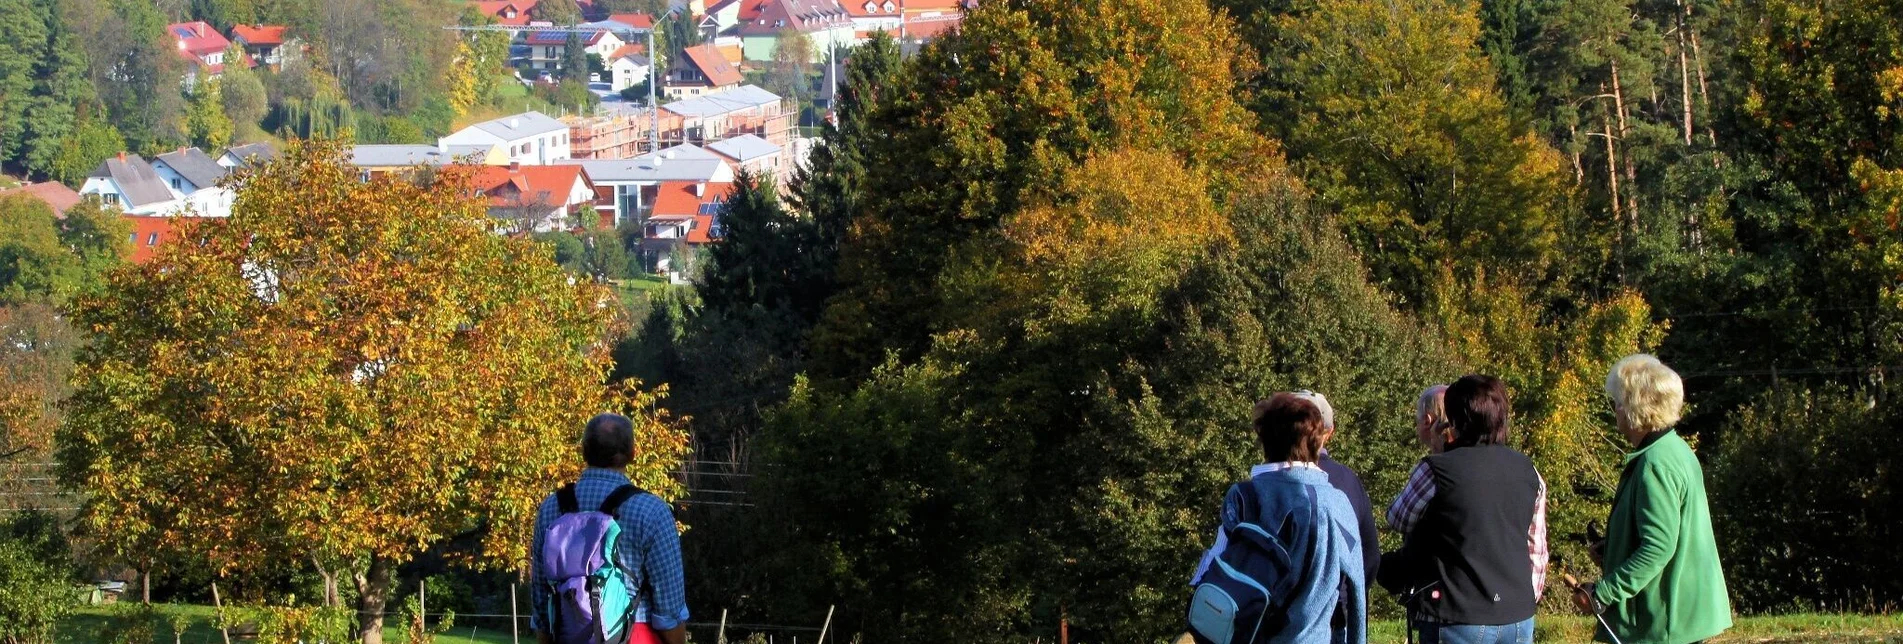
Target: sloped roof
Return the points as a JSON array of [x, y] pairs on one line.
[[139, 184], [635, 20], [259, 34], [197, 38], [398, 155], [588, 39], [495, 9], [676, 200], [251, 154], [522, 125], [193, 164], [711, 64], [733, 100], [685, 162], [55, 194], [871, 8], [638, 50], [744, 148], [798, 15], [528, 184]]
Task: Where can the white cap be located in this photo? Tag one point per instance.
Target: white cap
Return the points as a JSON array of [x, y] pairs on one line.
[[1321, 404]]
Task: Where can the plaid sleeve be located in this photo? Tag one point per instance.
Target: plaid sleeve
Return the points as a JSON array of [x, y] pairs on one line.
[[1412, 503], [1536, 541], [657, 545]]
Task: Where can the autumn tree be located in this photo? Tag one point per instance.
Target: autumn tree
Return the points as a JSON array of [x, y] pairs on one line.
[[343, 372], [205, 119]]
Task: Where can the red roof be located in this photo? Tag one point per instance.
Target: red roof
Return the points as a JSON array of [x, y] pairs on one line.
[[526, 184], [147, 234], [677, 199], [929, 28], [870, 8], [197, 38], [806, 16], [636, 20], [55, 194], [714, 66], [500, 10], [630, 49], [259, 34]]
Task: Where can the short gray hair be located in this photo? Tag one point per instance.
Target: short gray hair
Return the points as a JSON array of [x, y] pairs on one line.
[[1433, 401], [1649, 393]]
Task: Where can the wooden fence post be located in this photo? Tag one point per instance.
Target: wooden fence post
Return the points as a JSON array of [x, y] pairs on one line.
[[219, 604], [515, 621]]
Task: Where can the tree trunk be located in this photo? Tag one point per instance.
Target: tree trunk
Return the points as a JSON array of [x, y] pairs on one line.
[[373, 592], [1579, 170], [1699, 60], [330, 583], [145, 585], [1631, 175], [1684, 69]]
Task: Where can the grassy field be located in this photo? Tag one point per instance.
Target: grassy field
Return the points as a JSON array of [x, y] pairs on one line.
[[88, 625]]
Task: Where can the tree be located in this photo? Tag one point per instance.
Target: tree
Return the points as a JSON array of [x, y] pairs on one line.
[[43, 263], [205, 119], [560, 12], [244, 98], [35, 579], [134, 66], [344, 372], [574, 60], [792, 61], [90, 142], [33, 262]]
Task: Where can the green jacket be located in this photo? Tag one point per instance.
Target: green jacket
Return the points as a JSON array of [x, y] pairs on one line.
[[1662, 583]]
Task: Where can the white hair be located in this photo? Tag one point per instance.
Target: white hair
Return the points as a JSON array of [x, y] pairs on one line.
[[1649, 393], [1432, 401]]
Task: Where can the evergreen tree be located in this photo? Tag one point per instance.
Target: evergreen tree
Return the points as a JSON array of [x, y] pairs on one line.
[[574, 59]]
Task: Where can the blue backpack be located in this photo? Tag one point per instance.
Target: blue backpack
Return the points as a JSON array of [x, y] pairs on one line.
[[587, 598], [1243, 597]]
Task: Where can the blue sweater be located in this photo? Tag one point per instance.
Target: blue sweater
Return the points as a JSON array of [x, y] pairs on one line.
[[1333, 577]]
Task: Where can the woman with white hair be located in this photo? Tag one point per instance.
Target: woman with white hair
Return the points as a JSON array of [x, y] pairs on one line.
[[1662, 582]]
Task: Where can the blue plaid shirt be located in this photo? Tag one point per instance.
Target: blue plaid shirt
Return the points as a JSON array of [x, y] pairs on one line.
[[650, 549]]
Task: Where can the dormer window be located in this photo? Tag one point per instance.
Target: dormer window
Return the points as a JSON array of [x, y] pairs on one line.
[[889, 8]]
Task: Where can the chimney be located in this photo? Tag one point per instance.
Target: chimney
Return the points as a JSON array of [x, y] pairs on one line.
[[515, 166], [122, 155], [700, 189]]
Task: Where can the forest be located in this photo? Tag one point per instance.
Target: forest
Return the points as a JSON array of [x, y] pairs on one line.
[[986, 364]]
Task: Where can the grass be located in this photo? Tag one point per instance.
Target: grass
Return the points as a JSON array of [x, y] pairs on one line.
[[87, 625], [642, 282]]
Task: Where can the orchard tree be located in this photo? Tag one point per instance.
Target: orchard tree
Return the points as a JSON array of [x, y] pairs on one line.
[[343, 372]]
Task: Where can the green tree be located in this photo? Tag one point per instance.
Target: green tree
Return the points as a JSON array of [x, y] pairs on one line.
[[35, 586], [90, 142], [33, 262], [574, 60], [560, 12], [134, 65], [791, 64], [242, 93], [344, 372], [205, 119]]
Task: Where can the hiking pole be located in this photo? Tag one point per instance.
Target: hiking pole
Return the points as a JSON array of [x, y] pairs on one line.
[[1597, 613]]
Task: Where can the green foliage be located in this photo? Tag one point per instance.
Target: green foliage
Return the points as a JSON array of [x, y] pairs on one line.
[[205, 119], [91, 142], [574, 59], [43, 86], [1805, 493], [243, 94], [36, 588], [33, 263], [560, 12]]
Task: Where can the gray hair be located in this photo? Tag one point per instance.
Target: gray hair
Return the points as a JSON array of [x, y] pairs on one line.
[[1649, 393], [1433, 401]]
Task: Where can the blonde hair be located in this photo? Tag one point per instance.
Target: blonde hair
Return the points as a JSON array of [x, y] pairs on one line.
[[1649, 393]]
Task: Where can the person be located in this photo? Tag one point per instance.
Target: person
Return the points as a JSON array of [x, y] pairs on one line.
[[1430, 428], [648, 551], [1293, 493], [1662, 582], [1344, 479], [1473, 563]]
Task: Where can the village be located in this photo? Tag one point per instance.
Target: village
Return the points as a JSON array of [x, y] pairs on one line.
[[663, 169]]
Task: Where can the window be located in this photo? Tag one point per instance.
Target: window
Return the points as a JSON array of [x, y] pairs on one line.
[[109, 197], [177, 185], [132, 238], [549, 51], [152, 239]]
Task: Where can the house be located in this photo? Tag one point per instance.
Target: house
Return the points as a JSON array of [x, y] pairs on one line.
[[192, 176], [824, 22], [755, 155], [203, 46], [743, 110], [874, 15], [248, 155], [548, 48], [375, 160], [627, 67], [265, 44], [700, 71], [129, 183], [537, 198], [513, 13], [53, 193], [633, 21], [686, 215], [529, 137], [626, 189]]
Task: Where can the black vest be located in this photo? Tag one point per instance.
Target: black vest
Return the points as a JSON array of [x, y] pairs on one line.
[[1472, 538]]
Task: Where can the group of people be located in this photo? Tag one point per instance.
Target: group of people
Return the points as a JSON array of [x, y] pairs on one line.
[[1297, 548]]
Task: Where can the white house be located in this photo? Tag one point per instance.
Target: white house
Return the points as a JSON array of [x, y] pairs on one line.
[[247, 155], [530, 138], [131, 184], [626, 69], [626, 189], [192, 177], [547, 48]]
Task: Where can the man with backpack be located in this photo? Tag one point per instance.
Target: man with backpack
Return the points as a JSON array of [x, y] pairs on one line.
[[606, 559]]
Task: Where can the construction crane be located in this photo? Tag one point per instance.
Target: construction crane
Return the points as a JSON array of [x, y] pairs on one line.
[[619, 29]]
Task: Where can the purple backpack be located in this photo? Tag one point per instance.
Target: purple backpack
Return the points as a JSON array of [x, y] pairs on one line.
[[588, 599]]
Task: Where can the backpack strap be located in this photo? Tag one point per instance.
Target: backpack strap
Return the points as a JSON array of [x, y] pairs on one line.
[[612, 505], [565, 499]]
